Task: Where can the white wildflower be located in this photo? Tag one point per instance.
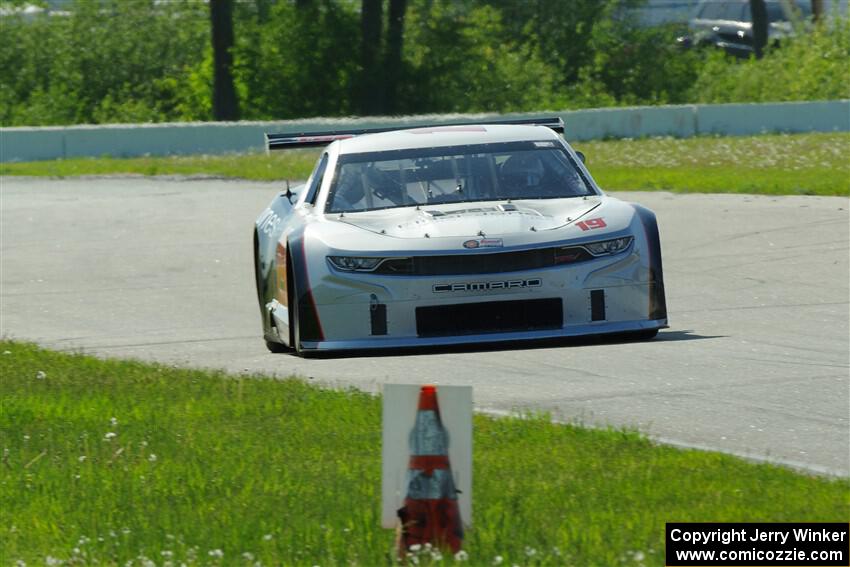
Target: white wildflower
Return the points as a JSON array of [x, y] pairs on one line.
[[216, 553], [639, 556], [436, 556], [267, 537], [530, 551], [415, 548], [125, 531], [41, 375], [26, 437], [109, 435], [20, 563], [76, 551], [81, 458], [152, 458], [498, 560], [7, 352], [248, 556], [113, 421], [50, 560], [461, 555], [166, 553]]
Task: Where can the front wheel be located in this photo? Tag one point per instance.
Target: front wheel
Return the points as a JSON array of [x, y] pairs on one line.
[[645, 335], [276, 348]]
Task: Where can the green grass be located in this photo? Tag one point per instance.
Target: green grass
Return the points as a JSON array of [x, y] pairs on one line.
[[804, 164], [293, 164], [195, 462]]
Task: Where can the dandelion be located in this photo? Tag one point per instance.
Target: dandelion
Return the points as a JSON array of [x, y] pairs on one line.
[[498, 560], [40, 375], [109, 435], [461, 555], [152, 458]]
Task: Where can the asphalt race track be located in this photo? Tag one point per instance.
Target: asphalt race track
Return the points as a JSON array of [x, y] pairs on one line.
[[755, 361]]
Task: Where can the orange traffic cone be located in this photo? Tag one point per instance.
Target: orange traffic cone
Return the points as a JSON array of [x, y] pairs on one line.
[[431, 513]]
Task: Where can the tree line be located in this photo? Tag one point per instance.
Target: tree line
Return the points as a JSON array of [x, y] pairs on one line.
[[147, 61]]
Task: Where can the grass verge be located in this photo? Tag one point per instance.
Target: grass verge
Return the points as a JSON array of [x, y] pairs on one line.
[[801, 164], [113, 461]]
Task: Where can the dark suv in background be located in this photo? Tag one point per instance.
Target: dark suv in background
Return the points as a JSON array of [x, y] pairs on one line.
[[728, 25]]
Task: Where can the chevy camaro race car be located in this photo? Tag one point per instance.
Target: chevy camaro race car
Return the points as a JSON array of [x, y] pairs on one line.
[[452, 234]]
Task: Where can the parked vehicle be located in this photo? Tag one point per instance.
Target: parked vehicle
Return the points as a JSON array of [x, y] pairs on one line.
[[728, 24]]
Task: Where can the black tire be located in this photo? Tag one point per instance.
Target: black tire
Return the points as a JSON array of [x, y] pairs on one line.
[[276, 348], [646, 335]]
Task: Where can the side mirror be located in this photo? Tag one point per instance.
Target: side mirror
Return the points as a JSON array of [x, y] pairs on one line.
[[581, 157], [289, 194]]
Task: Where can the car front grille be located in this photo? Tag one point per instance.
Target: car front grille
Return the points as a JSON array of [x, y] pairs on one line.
[[491, 263], [489, 317]]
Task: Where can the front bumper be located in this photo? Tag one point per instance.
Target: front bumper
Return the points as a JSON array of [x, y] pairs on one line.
[[605, 295], [380, 342]]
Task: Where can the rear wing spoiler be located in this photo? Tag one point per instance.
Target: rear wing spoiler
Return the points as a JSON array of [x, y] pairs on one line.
[[314, 139]]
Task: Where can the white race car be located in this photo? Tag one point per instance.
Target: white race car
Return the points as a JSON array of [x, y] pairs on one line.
[[462, 233]]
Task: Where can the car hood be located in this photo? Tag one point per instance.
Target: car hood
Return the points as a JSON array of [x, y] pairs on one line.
[[491, 218]]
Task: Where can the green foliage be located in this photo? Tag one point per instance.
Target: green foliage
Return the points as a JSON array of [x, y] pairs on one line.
[[485, 70], [631, 65], [111, 462], [815, 65], [148, 61], [107, 61], [298, 62]]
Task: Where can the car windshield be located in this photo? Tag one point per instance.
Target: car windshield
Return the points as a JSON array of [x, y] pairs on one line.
[[482, 172]]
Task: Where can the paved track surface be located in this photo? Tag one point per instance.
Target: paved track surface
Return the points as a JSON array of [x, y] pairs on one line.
[[755, 362]]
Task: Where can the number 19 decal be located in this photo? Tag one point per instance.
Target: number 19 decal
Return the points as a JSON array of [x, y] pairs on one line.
[[590, 224]]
